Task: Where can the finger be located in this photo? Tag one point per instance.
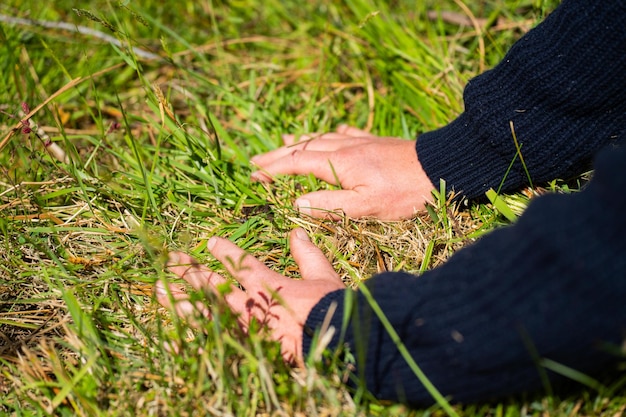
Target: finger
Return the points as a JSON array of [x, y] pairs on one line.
[[342, 130], [353, 131], [310, 259], [292, 140], [288, 139], [196, 274], [299, 162], [334, 204], [245, 268], [172, 296], [203, 279], [326, 143], [165, 295]]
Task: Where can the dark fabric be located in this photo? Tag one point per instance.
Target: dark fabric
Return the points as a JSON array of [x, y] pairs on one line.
[[553, 285], [563, 86]]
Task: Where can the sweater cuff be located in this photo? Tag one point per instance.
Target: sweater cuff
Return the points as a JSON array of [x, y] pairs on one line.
[[469, 167], [317, 316]]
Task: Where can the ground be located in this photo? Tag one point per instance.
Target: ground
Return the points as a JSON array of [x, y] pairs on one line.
[[126, 131]]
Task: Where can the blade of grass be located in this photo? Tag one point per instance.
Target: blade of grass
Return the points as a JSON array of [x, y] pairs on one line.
[[500, 205], [406, 355]]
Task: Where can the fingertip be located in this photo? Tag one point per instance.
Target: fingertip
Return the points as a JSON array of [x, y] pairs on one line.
[[288, 139], [300, 234], [163, 292], [342, 128], [173, 259], [303, 206], [353, 131], [319, 209], [258, 176], [159, 290], [171, 347]]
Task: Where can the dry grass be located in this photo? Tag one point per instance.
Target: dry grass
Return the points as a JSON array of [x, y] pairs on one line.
[[157, 160]]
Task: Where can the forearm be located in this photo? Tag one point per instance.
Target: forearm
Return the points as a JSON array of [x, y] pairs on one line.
[[554, 282], [563, 89]]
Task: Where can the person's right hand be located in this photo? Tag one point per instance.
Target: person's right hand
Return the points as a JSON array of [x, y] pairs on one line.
[[379, 176]]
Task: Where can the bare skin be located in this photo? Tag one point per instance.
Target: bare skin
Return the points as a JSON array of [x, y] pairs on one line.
[[379, 176], [371, 186], [282, 304]]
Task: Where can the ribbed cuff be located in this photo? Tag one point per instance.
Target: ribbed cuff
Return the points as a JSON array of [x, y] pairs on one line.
[[468, 166], [317, 316]]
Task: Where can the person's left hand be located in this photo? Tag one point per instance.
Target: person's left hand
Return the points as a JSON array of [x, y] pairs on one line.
[[281, 304]]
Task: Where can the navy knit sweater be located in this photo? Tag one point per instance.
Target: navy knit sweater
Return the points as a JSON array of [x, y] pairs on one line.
[[551, 286]]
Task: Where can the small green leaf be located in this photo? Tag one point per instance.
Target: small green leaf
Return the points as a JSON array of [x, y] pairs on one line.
[[500, 205]]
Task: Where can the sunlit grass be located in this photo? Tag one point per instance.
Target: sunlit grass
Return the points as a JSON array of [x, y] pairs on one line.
[[158, 154]]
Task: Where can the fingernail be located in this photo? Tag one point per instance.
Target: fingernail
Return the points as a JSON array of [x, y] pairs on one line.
[[304, 206], [211, 243], [173, 258], [301, 234]]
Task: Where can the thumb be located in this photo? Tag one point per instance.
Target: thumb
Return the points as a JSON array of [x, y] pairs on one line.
[[310, 259], [333, 204]]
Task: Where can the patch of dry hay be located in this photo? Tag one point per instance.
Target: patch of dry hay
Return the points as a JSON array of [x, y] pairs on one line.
[[371, 246]]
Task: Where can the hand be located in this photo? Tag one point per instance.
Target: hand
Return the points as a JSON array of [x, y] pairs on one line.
[[281, 304], [379, 177]]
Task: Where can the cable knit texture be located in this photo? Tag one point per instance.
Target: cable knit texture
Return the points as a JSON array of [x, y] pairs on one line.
[[552, 285], [563, 88]]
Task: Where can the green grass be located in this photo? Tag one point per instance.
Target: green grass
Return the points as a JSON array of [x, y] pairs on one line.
[[157, 159]]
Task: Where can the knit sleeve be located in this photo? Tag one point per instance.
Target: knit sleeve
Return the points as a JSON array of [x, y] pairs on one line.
[[552, 286], [561, 86]]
